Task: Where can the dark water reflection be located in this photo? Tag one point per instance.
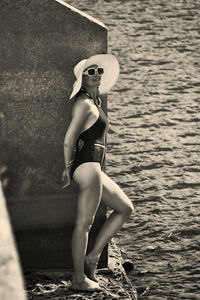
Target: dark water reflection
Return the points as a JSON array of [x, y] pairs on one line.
[[154, 140]]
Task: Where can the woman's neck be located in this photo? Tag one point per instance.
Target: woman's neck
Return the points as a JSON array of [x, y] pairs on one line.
[[92, 92], [93, 95]]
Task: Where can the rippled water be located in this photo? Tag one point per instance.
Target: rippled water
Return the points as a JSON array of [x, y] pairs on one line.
[[154, 140]]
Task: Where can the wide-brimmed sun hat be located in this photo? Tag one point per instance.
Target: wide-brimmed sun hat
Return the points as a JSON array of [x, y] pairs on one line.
[[110, 65]]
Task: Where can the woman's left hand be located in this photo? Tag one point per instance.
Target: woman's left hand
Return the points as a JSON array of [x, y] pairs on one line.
[[66, 177]]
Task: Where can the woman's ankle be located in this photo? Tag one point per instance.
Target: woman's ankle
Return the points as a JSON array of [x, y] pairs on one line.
[[79, 277]]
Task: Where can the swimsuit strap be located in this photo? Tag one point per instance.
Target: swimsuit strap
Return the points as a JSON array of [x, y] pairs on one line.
[[89, 96]]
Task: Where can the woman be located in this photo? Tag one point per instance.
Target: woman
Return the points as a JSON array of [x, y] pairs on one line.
[[87, 133]]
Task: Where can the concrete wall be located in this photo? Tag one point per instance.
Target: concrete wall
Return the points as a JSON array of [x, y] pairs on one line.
[[41, 41]]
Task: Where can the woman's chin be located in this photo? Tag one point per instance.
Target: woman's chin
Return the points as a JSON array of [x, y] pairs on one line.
[[97, 82]]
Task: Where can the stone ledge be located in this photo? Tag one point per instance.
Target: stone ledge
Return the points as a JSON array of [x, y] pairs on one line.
[[81, 13], [57, 284]]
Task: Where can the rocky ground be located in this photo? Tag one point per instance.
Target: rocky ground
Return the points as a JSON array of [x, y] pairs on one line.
[[57, 285]]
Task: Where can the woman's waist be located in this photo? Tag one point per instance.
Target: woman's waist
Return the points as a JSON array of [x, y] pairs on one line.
[[88, 143], [94, 144], [89, 148]]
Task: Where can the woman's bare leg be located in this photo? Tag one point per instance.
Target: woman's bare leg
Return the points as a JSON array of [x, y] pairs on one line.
[[88, 177], [115, 198]]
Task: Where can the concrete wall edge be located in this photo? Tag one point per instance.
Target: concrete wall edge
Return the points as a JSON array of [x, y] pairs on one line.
[[91, 19]]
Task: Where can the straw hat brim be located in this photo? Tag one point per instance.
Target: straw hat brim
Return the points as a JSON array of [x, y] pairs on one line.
[[111, 68]]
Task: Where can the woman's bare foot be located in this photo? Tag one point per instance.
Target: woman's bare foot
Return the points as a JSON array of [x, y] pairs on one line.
[[91, 267], [85, 285]]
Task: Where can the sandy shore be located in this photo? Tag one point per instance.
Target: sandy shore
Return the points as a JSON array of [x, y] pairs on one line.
[[57, 285]]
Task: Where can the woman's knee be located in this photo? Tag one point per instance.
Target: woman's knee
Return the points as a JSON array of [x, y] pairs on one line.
[[84, 225], [122, 205], [115, 198], [128, 209], [125, 205]]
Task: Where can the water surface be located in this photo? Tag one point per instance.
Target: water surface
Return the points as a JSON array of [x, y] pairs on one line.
[[154, 138]]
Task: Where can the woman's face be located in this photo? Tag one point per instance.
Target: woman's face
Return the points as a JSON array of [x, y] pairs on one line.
[[91, 81]]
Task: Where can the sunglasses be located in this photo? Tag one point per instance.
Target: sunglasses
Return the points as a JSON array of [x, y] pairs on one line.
[[93, 71]]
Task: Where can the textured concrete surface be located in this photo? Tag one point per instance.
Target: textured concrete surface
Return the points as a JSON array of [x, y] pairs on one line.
[[41, 41]]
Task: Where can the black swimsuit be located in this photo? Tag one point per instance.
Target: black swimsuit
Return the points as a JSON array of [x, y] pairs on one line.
[[94, 143]]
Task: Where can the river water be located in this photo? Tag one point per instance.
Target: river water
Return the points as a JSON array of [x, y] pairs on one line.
[[154, 138]]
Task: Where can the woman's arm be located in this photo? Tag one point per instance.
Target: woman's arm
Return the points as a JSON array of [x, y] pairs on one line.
[[82, 111]]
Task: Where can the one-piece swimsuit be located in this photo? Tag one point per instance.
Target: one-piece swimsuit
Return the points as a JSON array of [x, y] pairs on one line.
[[92, 147]]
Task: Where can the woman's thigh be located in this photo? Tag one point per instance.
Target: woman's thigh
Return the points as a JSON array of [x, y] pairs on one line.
[[114, 197], [88, 177]]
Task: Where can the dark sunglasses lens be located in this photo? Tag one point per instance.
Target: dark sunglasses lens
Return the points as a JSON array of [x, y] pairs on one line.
[[100, 71], [91, 72]]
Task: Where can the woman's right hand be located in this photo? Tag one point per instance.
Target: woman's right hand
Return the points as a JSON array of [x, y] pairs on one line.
[[66, 177]]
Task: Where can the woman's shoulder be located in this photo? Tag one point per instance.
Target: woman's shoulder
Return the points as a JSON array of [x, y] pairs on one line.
[[82, 103]]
